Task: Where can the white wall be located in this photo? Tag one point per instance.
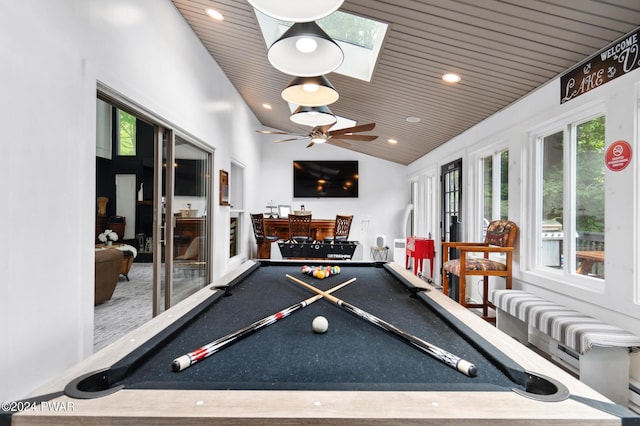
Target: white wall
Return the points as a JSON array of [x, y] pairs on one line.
[[616, 301], [383, 189], [54, 53]]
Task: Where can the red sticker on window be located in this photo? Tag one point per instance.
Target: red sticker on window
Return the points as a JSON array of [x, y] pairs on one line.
[[618, 156]]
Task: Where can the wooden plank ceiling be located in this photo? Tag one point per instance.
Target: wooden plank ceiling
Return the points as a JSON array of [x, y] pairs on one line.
[[503, 49]]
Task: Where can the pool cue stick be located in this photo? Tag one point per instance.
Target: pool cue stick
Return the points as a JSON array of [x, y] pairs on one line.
[[203, 352], [452, 360]]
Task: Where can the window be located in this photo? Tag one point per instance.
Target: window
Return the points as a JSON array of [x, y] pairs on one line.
[[571, 200], [495, 182], [352, 29], [126, 134]]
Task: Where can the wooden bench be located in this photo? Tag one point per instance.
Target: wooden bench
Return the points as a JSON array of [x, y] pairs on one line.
[[602, 350]]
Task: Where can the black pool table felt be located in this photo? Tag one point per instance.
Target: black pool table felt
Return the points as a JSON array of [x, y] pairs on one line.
[[352, 354]]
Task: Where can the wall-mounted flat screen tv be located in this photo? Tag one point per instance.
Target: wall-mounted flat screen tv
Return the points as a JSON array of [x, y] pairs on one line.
[[189, 177], [325, 179]]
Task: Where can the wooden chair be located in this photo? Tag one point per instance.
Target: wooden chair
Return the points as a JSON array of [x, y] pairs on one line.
[[263, 241], [300, 227], [193, 258], [117, 224], [500, 238], [341, 229]]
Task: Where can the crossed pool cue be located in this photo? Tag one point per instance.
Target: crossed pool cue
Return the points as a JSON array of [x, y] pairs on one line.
[[187, 360], [453, 361]]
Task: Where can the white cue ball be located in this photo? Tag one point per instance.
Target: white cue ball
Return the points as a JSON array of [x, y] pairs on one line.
[[320, 325]]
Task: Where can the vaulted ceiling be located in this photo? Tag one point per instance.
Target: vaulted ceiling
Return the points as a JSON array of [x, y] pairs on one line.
[[503, 49]]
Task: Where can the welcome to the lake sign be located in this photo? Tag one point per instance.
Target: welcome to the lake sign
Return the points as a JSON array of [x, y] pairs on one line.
[[615, 60]]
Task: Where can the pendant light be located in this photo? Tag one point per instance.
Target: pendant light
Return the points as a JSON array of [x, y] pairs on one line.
[[310, 91], [297, 10], [313, 116], [305, 50]]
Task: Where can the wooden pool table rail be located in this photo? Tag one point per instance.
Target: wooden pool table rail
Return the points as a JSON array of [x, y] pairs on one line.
[[166, 407]]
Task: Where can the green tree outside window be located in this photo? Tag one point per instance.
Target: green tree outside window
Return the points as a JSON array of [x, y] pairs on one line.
[[126, 134]]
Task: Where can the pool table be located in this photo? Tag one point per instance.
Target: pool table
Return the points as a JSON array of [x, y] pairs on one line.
[[353, 374]]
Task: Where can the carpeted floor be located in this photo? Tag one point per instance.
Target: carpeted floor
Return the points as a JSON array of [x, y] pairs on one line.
[[131, 303]]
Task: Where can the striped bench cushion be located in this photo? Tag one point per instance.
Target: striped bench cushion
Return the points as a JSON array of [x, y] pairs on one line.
[[574, 329]]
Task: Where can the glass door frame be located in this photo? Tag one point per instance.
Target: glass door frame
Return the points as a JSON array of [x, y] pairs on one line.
[[164, 219], [163, 241], [163, 238]]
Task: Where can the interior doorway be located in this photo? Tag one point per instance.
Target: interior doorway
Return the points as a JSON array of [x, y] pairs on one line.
[[450, 219], [451, 190], [157, 182]]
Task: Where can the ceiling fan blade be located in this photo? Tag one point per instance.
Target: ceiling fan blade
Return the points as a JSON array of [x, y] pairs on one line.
[[363, 138], [354, 129], [338, 142], [311, 144], [288, 140], [270, 132]]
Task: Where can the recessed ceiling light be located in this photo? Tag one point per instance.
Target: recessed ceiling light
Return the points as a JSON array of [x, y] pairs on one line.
[[451, 78], [214, 14], [412, 119], [392, 141], [266, 106]]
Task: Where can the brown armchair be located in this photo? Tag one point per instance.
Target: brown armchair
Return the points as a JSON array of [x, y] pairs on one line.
[[500, 238], [108, 264]]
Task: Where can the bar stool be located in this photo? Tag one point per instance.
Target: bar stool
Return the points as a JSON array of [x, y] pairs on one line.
[[341, 229], [300, 227], [263, 241]]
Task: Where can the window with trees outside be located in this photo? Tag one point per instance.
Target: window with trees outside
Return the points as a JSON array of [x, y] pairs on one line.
[[572, 209], [126, 133], [495, 182]]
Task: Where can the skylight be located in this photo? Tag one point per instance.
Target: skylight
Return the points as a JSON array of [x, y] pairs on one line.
[[360, 39]]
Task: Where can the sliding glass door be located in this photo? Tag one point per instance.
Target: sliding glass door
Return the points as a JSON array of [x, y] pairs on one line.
[[185, 196], [153, 188]]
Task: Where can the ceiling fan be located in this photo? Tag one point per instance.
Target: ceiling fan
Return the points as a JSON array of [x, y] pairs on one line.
[[322, 134]]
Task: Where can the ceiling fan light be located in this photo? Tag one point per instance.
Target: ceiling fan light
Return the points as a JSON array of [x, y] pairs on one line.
[[301, 91], [285, 55], [313, 116], [296, 10], [318, 139]]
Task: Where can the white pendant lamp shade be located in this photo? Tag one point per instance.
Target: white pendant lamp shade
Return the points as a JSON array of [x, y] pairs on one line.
[[310, 91], [313, 116], [297, 10], [305, 50]]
